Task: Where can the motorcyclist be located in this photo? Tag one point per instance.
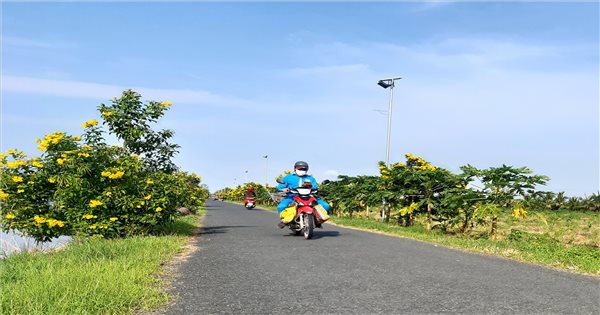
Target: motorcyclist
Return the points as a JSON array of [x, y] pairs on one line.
[[250, 192], [294, 180]]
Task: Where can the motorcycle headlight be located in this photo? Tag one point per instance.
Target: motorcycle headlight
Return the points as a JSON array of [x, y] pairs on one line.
[[304, 191]]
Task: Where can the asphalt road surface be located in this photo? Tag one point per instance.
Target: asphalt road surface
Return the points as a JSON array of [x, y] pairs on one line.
[[246, 265]]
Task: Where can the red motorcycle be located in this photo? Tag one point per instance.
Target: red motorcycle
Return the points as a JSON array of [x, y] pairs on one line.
[[309, 214], [249, 202]]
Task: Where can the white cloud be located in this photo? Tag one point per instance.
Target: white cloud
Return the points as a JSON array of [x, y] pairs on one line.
[[29, 43], [75, 89]]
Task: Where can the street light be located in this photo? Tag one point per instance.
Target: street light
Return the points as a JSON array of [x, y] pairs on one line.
[[247, 176], [388, 83], [266, 171]]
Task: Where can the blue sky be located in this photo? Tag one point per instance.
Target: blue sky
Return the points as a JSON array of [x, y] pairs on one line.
[[483, 83]]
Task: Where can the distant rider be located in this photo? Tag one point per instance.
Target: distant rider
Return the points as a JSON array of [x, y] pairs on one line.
[[297, 179], [250, 193]]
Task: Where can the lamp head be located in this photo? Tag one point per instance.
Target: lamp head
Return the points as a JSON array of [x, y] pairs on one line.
[[385, 83]]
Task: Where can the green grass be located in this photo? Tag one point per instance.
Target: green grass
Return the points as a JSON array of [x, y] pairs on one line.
[[119, 276]]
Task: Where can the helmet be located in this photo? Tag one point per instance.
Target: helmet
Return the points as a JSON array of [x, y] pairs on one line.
[[301, 165], [250, 188]]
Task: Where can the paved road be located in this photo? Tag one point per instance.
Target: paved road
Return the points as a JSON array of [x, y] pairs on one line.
[[246, 265]]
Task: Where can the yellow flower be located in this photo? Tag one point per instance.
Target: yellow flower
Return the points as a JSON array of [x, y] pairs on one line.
[[89, 216], [89, 123], [108, 194], [107, 114], [60, 161], [95, 203], [148, 197], [10, 216], [93, 226], [111, 175], [149, 182], [11, 151], [86, 147], [166, 104], [3, 195], [76, 138], [38, 219], [84, 154], [53, 223], [20, 191], [519, 212], [53, 138], [52, 180], [17, 179], [2, 156], [117, 175], [159, 209], [37, 164], [15, 164], [113, 219]]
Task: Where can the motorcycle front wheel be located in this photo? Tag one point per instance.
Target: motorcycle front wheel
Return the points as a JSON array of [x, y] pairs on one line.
[[309, 226]]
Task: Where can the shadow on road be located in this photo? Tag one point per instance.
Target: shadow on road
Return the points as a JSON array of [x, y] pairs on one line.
[[318, 234], [221, 229]]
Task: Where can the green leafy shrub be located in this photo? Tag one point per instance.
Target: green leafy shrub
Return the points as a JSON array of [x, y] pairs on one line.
[[80, 186]]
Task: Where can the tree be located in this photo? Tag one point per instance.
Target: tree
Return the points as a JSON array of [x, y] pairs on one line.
[[130, 120], [500, 186]]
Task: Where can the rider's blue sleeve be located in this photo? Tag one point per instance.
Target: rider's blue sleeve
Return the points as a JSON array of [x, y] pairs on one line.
[[313, 181], [286, 183]]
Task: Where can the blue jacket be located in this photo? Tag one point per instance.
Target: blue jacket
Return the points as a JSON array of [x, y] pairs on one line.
[[295, 181]]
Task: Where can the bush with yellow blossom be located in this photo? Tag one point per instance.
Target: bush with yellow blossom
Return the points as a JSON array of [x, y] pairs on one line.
[[81, 186]]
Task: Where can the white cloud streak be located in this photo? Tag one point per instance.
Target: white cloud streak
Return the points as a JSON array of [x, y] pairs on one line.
[[75, 89]]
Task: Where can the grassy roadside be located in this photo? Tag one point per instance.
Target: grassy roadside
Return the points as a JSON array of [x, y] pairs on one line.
[[118, 276], [523, 244]]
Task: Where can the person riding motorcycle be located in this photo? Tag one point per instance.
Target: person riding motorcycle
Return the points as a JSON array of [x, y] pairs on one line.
[[250, 193], [296, 179]]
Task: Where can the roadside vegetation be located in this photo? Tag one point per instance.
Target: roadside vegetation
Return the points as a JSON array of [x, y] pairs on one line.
[[99, 276], [497, 211], [119, 203]]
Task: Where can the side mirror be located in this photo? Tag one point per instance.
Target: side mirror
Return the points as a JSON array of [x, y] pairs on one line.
[[281, 181], [327, 181]]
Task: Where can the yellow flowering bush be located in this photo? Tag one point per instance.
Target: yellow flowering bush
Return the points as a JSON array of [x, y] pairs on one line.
[[82, 187]]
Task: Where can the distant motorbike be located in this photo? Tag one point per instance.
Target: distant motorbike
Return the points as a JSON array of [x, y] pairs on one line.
[[309, 214], [249, 202]]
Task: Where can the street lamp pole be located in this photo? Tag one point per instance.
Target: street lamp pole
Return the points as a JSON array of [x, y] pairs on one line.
[[266, 171], [388, 83]]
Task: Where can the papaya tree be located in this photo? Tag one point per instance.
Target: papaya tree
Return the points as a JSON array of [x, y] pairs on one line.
[[501, 185]]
